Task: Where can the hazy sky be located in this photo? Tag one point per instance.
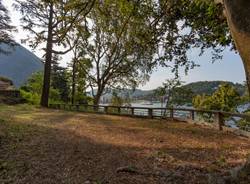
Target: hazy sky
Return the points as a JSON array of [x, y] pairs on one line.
[[230, 68]]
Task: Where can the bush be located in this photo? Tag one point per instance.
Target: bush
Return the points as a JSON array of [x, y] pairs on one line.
[[32, 90], [31, 98]]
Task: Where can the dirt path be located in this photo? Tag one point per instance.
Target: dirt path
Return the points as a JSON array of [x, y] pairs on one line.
[[50, 146]]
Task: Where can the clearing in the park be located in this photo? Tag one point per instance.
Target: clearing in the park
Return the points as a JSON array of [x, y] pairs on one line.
[[54, 146]]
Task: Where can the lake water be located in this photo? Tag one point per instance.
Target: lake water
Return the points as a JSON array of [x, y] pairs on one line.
[[180, 114]]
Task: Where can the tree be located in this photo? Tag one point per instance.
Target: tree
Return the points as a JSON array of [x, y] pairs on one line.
[[116, 100], [207, 27], [238, 17], [59, 80], [32, 90], [183, 25], [167, 90], [182, 96], [5, 27], [51, 21], [118, 48], [79, 68], [225, 98]]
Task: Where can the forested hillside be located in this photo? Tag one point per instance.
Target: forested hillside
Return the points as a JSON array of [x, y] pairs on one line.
[[196, 88], [208, 87]]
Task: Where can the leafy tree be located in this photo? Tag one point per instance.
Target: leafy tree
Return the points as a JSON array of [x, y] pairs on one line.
[[116, 100], [167, 90], [182, 96], [203, 25], [5, 27], [51, 21], [118, 47], [59, 81], [79, 67], [234, 11], [32, 90], [225, 98], [183, 25]]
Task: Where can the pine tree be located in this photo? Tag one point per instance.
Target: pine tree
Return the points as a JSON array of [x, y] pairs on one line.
[[5, 27], [51, 22]]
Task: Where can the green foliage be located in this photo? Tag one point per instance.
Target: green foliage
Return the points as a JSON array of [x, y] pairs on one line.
[[31, 98], [225, 98], [244, 124], [182, 96], [116, 100], [5, 27], [167, 91], [209, 87], [59, 81], [32, 90], [82, 98], [119, 48]]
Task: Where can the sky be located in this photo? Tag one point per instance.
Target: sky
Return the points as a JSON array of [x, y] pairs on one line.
[[230, 68]]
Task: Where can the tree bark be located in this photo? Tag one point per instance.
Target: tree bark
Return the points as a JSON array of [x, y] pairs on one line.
[[48, 58], [73, 82], [238, 17], [97, 97]]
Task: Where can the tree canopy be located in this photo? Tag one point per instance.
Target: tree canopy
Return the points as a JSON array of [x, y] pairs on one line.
[[121, 42], [225, 98], [5, 27]]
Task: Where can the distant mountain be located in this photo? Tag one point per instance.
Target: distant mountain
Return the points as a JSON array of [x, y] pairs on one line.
[[18, 64], [209, 87], [198, 88]]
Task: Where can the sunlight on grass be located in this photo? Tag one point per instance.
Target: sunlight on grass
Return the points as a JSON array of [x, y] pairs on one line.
[[29, 134]]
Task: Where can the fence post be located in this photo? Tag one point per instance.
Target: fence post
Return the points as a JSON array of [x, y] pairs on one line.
[[106, 109], [172, 113], [150, 113], [219, 119], [95, 108], [192, 115], [132, 111], [77, 107]]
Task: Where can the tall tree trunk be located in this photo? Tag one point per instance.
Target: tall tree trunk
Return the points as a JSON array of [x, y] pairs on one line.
[[73, 82], [97, 98], [99, 93], [238, 18], [48, 58]]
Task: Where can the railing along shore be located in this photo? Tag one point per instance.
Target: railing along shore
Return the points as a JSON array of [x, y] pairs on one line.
[[214, 118]]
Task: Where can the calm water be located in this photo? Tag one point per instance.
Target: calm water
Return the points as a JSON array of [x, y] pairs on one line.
[[154, 105], [181, 114]]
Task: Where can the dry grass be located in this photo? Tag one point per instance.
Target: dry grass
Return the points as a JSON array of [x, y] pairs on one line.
[[51, 146]]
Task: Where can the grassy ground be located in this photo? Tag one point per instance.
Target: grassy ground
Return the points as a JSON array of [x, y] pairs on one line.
[[52, 146]]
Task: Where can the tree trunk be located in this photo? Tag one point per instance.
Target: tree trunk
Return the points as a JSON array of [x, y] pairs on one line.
[[73, 82], [99, 93], [48, 58], [238, 18], [97, 97]]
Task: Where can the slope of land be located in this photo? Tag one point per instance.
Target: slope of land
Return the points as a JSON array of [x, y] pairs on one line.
[[51, 146], [18, 64]]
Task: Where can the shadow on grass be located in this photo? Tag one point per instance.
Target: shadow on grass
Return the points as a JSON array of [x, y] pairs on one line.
[[64, 147]]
